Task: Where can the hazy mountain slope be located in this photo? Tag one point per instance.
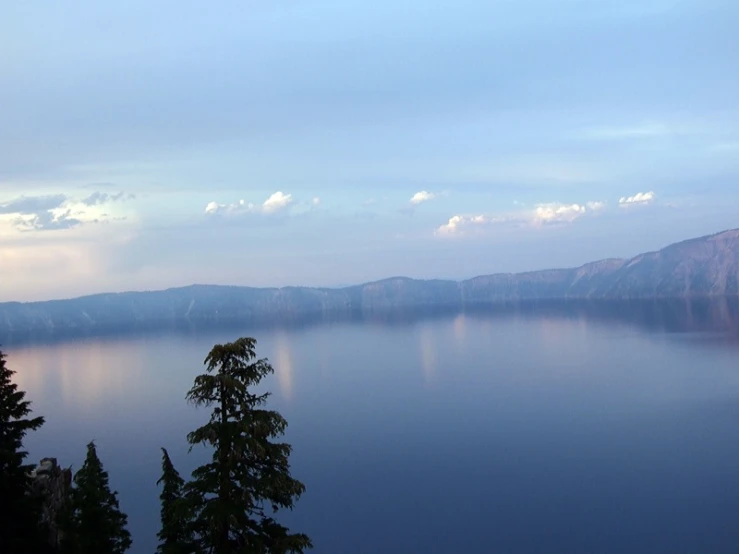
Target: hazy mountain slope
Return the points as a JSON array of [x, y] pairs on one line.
[[707, 266]]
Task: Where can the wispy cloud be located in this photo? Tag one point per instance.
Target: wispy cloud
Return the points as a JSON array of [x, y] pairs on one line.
[[638, 198], [596, 206], [29, 205], [47, 221], [100, 198]]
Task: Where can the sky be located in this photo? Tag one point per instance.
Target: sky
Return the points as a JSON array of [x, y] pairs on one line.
[[147, 145]]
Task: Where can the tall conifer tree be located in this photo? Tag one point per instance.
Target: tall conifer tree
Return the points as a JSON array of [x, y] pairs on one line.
[[21, 512], [174, 536], [236, 495], [95, 523]]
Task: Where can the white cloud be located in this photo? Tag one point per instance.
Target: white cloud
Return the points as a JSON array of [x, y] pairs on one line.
[[557, 213], [463, 224], [215, 208], [278, 201], [542, 214], [275, 203], [421, 197], [316, 201], [638, 198]]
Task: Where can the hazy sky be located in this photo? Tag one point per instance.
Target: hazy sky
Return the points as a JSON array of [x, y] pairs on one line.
[[154, 144]]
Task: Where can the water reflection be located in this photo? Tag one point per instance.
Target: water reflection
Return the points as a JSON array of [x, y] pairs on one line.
[[714, 315], [283, 365], [428, 354], [717, 315], [602, 426], [84, 377], [459, 328]]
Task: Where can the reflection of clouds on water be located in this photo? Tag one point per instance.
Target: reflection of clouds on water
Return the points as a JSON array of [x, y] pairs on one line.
[[29, 370], [428, 354], [323, 350], [86, 377], [552, 331], [98, 371], [284, 365], [460, 329]]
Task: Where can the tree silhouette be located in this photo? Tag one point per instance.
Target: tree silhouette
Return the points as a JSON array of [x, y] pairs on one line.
[[94, 523], [21, 512], [174, 536], [236, 495]]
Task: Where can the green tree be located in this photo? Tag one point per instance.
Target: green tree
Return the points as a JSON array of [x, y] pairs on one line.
[[237, 494], [174, 536], [21, 512], [94, 524]]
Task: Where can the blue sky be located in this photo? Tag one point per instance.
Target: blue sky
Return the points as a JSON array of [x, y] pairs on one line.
[[146, 145]]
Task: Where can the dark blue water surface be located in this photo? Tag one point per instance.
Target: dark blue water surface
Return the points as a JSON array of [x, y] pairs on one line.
[[517, 432]]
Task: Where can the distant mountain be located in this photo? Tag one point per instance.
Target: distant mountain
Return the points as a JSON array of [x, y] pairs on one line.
[[696, 268]]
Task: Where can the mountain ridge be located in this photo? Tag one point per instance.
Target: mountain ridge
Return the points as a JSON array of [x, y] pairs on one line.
[[706, 266]]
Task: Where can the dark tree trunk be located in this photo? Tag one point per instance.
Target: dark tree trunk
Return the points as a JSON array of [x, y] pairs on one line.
[[225, 477]]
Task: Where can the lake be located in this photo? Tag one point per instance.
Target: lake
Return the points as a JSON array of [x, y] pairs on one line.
[[573, 429]]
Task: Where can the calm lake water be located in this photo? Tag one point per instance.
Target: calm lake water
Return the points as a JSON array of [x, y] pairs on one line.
[[539, 430]]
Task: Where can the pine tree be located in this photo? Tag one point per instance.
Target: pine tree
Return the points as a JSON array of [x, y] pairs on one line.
[[174, 536], [94, 524], [236, 495], [21, 512]]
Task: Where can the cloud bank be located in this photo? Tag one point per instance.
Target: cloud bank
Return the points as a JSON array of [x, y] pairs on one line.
[[56, 212]]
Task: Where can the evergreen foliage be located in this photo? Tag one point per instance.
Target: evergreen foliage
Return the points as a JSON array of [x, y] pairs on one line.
[[174, 536], [94, 523], [21, 512], [235, 497]]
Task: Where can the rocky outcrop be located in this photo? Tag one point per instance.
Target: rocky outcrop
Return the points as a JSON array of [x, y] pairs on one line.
[[696, 268], [53, 484]]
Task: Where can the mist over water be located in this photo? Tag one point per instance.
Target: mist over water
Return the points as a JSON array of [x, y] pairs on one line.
[[577, 427]]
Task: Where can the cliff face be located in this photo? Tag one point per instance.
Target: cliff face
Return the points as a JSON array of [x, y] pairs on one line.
[[702, 267], [53, 484], [707, 266]]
